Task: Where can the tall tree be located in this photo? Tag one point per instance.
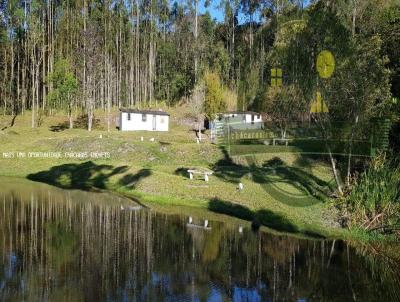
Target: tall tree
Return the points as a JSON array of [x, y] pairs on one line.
[[65, 88]]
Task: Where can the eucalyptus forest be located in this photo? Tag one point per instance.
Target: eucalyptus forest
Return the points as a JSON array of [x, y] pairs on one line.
[[98, 54]]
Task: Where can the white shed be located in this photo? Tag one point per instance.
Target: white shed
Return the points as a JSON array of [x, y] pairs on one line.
[[240, 120], [148, 120], [236, 120], [244, 119]]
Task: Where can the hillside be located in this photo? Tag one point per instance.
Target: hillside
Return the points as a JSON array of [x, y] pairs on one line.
[[290, 189]]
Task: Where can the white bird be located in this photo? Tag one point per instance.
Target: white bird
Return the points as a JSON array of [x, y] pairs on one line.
[[206, 223], [240, 186], [190, 220]]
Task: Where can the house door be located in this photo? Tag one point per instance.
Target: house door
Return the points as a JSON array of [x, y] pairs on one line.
[[154, 123]]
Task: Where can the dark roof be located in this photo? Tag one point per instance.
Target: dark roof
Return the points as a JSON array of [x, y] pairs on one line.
[[156, 112]]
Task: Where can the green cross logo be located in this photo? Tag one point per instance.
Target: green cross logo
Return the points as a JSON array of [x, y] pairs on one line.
[[276, 77]]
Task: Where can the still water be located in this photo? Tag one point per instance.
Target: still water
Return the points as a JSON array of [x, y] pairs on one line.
[[58, 245]]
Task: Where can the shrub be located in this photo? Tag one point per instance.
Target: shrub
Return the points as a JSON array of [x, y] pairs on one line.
[[374, 201]]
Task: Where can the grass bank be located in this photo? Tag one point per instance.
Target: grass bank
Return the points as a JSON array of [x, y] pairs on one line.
[[285, 192]]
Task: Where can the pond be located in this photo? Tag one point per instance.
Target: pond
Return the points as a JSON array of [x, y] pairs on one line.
[[59, 245]]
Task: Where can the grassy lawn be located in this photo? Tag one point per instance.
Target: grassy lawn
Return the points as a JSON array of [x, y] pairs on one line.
[[285, 192]]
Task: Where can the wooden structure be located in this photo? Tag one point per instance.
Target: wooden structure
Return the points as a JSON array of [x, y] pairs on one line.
[[206, 174]]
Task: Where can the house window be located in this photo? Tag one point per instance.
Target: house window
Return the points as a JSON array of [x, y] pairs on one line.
[[144, 117], [258, 116], [129, 117], [233, 115], [244, 117], [252, 118], [162, 120]]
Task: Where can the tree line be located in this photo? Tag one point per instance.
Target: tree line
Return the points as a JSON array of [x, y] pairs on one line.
[[87, 54]]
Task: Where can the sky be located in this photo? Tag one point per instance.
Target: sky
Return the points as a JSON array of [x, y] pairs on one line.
[[215, 12], [218, 14]]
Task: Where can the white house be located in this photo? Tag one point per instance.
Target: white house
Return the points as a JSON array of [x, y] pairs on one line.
[[236, 120], [149, 120], [240, 120]]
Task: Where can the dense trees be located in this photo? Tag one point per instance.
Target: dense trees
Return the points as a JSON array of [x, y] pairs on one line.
[[142, 52], [138, 53], [123, 54], [79, 55]]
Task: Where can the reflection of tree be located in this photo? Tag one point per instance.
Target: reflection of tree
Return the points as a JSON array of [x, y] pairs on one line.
[[61, 245], [211, 246], [280, 249], [91, 250], [61, 294], [383, 259]]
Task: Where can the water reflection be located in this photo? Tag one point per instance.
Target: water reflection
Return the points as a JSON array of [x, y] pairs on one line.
[[60, 245]]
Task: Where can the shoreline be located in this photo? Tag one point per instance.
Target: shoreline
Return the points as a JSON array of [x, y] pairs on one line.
[[155, 174], [174, 206]]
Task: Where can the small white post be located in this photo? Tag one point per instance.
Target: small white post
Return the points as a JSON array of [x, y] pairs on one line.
[[190, 175], [190, 220], [205, 223], [141, 138], [198, 141], [205, 176], [240, 229]]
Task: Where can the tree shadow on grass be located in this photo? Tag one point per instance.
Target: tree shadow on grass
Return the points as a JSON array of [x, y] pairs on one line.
[[130, 180], [277, 179], [228, 170], [182, 171], [60, 127], [273, 173], [11, 123], [259, 218], [85, 176]]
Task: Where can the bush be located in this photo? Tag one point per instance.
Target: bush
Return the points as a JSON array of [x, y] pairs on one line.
[[82, 122], [374, 201], [214, 95]]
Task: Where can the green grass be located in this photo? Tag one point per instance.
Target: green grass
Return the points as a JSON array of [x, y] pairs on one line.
[[155, 173]]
